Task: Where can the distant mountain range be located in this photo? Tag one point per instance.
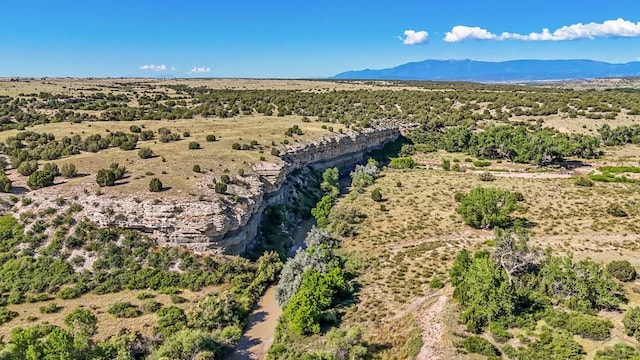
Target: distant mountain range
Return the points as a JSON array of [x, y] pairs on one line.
[[506, 71]]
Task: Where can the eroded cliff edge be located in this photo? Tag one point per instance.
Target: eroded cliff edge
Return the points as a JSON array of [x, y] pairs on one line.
[[225, 224]]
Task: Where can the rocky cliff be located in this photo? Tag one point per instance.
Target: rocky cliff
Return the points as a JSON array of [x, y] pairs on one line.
[[226, 224]]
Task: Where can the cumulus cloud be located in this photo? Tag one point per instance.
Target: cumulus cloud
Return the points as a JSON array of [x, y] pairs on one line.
[[619, 28], [200, 70], [462, 33], [153, 67], [413, 37]]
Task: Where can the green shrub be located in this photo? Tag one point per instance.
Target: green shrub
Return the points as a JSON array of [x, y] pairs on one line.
[[406, 162], [236, 146], [128, 145], [177, 299], [622, 270], [587, 326], [487, 176], [498, 332], [196, 168], [52, 168], [69, 293], [135, 129], [631, 322], [583, 181], [194, 145], [221, 187], [68, 170], [480, 345], [186, 134], [170, 320], [145, 153], [146, 135], [211, 138], [118, 171], [619, 351], [27, 168], [40, 179], [6, 315], [294, 130], [376, 195], [446, 164], [436, 283], [50, 308], [105, 177], [485, 208], [155, 185], [124, 310], [481, 163], [5, 183], [145, 295], [151, 306]]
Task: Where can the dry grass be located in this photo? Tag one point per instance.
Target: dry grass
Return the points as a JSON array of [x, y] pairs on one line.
[[75, 86], [174, 161], [108, 324], [416, 237]]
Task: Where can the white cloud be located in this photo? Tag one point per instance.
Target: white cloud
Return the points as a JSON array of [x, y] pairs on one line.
[[413, 37], [153, 67], [173, 68], [200, 69], [461, 33], [608, 29]]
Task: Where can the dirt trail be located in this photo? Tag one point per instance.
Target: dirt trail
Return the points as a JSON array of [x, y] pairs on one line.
[[430, 320], [258, 334]]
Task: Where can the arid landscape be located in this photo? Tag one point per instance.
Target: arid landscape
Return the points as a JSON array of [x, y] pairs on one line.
[[151, 219]]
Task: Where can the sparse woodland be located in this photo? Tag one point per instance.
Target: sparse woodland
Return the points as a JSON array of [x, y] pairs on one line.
[[515, 205]]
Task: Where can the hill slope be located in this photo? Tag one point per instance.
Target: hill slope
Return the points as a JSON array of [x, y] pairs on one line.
[[515, 70]]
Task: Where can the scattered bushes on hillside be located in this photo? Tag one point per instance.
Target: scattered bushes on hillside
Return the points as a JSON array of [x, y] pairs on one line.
[[622, 270], [619, 351]]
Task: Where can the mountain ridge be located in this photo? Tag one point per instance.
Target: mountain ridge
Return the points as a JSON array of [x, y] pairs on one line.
[[503, 71]]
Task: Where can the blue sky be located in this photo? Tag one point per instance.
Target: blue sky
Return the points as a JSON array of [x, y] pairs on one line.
[[303, 38]]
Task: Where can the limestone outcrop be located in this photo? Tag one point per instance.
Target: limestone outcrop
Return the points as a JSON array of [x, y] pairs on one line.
[[227, 224]]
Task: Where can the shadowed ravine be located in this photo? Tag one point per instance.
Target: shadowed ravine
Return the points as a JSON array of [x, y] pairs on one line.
[[258, 334]]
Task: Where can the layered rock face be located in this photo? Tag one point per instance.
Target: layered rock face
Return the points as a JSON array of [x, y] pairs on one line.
[[229, 224]]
